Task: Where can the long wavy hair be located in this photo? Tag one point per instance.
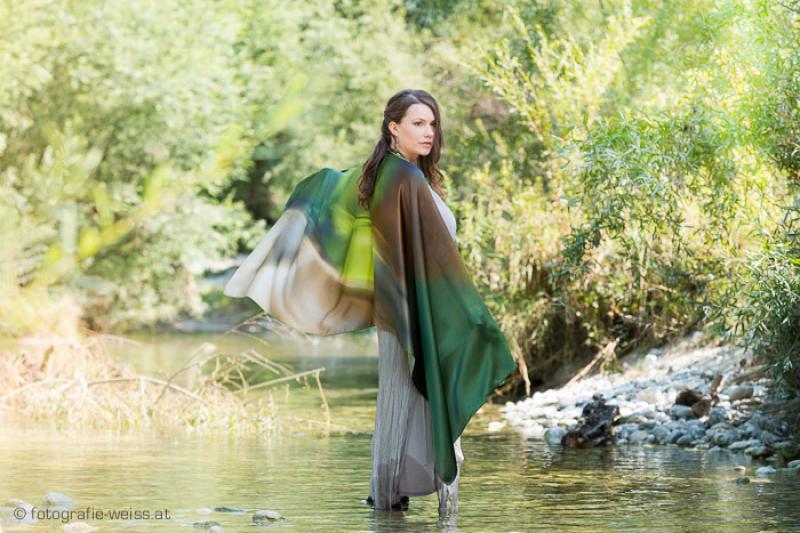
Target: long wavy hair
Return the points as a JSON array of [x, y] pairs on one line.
[[395, 110]]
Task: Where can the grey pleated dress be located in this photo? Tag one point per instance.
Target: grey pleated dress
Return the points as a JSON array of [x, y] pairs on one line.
[[402, 444]]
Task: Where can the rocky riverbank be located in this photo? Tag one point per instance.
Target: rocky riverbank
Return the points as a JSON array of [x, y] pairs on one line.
[[690, 394]]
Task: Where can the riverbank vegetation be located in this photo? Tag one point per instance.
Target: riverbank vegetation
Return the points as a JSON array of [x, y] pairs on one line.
[[75, 382], [622, 171]]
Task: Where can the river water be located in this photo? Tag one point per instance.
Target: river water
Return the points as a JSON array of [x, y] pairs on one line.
[[316, 482]]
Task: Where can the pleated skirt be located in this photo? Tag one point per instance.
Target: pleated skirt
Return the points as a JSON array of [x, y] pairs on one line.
[[403, 462]]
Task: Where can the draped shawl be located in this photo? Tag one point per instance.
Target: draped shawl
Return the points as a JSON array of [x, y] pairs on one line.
[[329, 265]]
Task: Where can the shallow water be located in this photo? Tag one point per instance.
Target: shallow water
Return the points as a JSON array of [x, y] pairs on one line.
[[317, 482]]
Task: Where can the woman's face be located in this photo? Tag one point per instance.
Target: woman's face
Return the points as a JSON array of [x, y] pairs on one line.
[[415, 131]]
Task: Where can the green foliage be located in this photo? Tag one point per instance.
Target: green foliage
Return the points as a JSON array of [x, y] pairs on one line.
[[760, 305], [648, 129], [111, 139], [514, 271], [774, 104], [638, 177], [765, 310], [322, 75], [620, 170], [130, 129]]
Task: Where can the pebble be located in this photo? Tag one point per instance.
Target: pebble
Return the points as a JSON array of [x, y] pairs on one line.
[[717, 414], [57, 499], [554, 435], [208, 524], [723, 438], [739, 393], [661, 434], [757, 451], [767, 437], [788, 450], [681, 411], [264, 515], [701, 407], [646, 394], [741, 445], [765, 470]]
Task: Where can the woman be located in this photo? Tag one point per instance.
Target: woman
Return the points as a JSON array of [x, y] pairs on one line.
[[375, 245]]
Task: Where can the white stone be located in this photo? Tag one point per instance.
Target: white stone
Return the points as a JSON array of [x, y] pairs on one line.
[[495, 426], [554, 435], [765, 470]]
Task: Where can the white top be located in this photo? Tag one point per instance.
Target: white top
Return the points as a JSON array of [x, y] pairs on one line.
[[447, 214]]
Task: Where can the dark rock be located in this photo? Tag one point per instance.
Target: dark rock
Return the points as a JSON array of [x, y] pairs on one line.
[[688, 397], [788, 450], [701, 407], [596, 426]]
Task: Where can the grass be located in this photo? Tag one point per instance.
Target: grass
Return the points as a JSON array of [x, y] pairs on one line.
[[76, 382]]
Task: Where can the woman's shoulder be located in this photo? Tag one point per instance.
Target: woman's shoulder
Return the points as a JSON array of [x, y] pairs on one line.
[[404, 171]]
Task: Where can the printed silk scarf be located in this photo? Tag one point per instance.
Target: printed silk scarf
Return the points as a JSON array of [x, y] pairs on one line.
[[329, 266]]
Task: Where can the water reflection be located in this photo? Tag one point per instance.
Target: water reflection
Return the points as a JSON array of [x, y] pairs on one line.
[[318, 482]]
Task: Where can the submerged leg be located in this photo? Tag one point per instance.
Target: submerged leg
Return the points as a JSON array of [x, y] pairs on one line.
[[403, 457], [391, 420], [449, 493]]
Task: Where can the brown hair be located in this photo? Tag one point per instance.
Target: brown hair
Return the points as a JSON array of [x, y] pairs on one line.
[[395, 110]]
